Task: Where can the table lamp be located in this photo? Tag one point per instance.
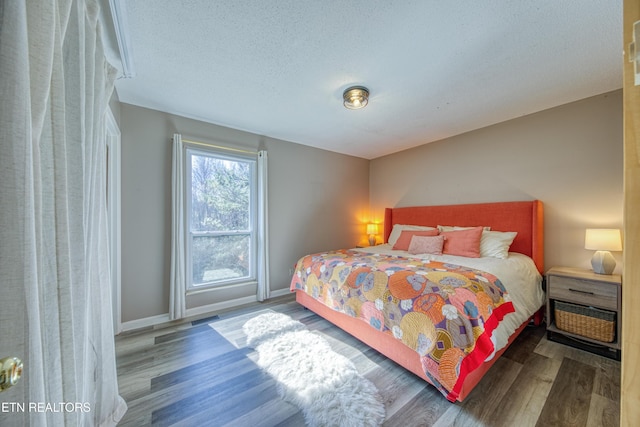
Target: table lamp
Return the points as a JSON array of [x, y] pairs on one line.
[[372, 230], [603, 240]]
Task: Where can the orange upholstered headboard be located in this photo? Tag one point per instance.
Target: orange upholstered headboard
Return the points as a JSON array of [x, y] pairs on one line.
[[527, 218]]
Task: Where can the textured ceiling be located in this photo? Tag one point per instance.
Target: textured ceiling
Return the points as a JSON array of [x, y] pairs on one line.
[[434, 68]]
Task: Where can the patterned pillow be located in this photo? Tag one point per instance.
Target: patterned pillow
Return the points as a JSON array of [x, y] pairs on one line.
[[404, 240], [426, 245]]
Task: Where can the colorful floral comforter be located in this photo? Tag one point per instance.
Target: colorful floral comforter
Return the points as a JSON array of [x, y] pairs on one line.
[[445, 312]]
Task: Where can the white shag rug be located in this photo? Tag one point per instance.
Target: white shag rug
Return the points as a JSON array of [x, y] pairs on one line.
[[324, 384]]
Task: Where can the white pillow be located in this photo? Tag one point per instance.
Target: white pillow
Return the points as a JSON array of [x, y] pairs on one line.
[[399, 228], [496, 243]]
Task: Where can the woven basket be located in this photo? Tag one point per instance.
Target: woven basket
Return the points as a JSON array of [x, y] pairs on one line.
[[588, 322]]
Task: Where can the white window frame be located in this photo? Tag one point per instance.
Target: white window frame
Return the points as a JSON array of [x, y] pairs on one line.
[[191, 150]]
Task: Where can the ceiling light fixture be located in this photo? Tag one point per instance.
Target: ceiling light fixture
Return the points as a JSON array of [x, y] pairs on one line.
[[356, 97]]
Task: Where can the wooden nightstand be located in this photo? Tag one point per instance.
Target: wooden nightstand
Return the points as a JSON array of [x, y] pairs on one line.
[[588, 289]]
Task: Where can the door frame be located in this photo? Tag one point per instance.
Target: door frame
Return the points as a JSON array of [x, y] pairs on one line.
[[113, 190]]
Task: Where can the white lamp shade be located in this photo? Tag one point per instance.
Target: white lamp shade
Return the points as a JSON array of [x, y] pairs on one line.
[[603, 239], [372, 228]]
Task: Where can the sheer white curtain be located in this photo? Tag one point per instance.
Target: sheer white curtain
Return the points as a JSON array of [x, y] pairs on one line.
[[177, 292], [263, 229], [56, 304]]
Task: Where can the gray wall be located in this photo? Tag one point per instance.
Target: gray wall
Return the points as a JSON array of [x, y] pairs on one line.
[[318, 200], [570, 157]]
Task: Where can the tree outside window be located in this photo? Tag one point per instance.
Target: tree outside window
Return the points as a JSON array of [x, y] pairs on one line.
[[221, 218]]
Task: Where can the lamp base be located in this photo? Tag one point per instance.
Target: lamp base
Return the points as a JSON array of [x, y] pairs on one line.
[[372, 239], [603, 262]]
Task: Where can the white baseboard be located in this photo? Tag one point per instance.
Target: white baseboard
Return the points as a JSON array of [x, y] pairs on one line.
[[279, 293], [197, 311], [212, 308], [144, 323]]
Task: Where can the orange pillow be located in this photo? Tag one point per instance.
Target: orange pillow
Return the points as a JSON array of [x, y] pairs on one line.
[[403, 242], [463, 242]]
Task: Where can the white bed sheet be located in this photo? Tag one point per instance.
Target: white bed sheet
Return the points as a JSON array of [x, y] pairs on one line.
[[518, 274]]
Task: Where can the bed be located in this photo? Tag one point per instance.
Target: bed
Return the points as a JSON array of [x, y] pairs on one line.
[[445, 317]]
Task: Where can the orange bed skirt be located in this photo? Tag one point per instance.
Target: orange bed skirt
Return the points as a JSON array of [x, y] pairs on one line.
[[390, 347]]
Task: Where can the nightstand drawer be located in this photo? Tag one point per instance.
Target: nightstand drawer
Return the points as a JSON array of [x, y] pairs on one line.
[[585, 292]]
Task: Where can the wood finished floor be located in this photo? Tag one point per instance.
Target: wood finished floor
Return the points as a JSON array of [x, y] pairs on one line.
[[202, 375]]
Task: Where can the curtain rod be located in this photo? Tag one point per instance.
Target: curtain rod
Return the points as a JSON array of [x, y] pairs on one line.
[[218, 146]]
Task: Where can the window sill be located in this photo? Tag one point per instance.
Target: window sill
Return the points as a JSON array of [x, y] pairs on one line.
[[211, 288]]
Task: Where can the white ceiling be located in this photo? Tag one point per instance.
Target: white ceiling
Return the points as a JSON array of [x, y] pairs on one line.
[[434, 68]]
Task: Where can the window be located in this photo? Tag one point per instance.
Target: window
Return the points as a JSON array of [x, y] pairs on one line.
[[221, 195]]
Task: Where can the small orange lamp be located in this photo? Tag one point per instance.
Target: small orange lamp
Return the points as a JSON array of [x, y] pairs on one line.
[[372, 230]]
